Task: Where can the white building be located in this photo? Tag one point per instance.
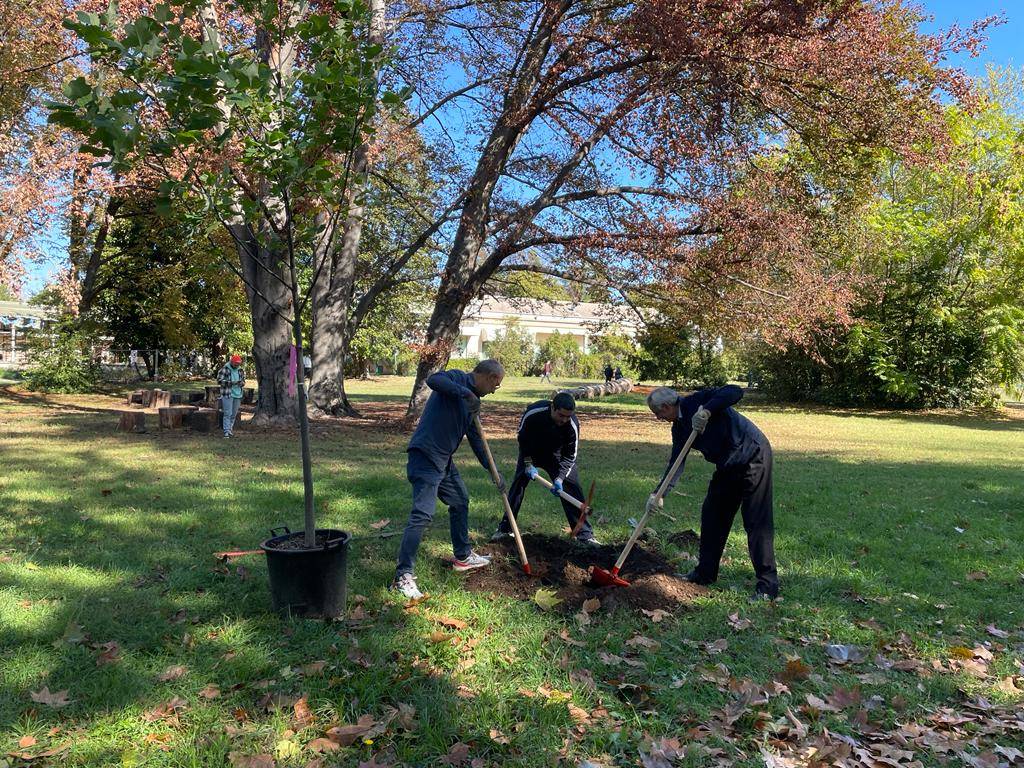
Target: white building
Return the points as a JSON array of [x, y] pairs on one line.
[[486, 319], [16, 320]]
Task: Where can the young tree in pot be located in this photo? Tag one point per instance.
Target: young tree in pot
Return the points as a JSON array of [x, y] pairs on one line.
[[246, 112]]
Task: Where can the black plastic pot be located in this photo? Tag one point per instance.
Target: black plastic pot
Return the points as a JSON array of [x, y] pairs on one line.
[[308, 582]]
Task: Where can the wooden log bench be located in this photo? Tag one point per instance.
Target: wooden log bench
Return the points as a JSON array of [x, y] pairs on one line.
[[173, 417], [132, 421], [161, 399], [212, 395], [203, 420]]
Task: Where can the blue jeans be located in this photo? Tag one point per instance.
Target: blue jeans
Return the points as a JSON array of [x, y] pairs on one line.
[[428, 485], [230, 406]]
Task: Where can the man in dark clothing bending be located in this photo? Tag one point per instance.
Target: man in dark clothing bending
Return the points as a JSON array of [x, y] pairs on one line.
[[742, 457], [447, 418], [549, 437]]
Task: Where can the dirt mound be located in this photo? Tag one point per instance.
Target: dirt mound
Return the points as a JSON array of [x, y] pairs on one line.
[[561, 565]]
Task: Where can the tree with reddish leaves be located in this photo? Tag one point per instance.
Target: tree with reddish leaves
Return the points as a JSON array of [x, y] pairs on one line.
[[613, 137]]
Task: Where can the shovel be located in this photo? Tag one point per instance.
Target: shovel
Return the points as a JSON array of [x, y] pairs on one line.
[[504, 497], [583, 506], [599, 577]]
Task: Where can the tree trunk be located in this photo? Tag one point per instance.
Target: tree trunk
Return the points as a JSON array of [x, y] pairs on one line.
[[333, 325], [266, 287]]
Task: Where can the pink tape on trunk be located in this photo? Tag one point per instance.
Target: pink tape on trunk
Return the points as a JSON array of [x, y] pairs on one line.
[[293, 365]]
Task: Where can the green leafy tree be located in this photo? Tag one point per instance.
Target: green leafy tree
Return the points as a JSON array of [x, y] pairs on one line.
[[682, 355], [939, 249], [61, 361], [616, 349], [161, 288], [248, 112], [513, 349], [564, 352]]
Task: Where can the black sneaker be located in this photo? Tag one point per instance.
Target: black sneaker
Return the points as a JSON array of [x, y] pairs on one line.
[[695, 578]]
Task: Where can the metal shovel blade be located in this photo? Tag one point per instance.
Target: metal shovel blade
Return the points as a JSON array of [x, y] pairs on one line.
[[599, 577]]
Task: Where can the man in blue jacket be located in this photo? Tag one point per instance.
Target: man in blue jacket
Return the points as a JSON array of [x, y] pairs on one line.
[[742, 457], [447, 418], [549, 439]]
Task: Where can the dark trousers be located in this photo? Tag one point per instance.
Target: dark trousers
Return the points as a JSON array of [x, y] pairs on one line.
[[747, 487], [428, 485], [570, 484]]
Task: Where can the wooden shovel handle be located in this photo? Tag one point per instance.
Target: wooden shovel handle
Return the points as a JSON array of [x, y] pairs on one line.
[[504, 497], [662, 488]]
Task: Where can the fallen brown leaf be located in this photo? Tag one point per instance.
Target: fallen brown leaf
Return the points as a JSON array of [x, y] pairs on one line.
[[346, 735], [210, 692], [323, 745], [56, 700], [172, 673], [448, 621], [26, 741], [238, 760], [457, 755], [591, 604], [302, 716], [655, 615]]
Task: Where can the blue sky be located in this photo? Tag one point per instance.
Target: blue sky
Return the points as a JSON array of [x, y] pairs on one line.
[[1004, 44], [1003, 47]]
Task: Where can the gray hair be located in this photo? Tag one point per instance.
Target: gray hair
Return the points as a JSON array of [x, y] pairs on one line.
[[660, 397], [490, 367]]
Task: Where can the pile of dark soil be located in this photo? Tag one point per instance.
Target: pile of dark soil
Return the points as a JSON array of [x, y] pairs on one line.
[[561, 565]]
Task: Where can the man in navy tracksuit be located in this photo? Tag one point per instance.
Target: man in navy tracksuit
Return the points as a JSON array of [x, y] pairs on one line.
[[549, 438], [742, 457], [448, 416]]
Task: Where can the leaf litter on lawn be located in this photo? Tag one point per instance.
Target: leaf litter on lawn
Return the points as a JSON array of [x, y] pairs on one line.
[[562, 568]]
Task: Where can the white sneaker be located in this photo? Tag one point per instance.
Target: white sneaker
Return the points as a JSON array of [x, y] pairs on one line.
[[406, 585], [472, 561]]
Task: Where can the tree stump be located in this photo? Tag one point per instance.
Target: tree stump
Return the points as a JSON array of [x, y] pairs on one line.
[[147, 398], [203, 420], [212, 394], [135, 398], [249, 395], [161, 399], [173, 417], [132, 421], [196, 397]]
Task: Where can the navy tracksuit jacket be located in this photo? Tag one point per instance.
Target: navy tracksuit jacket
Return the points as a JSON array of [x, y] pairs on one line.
[[432, 473], [742, 457], [553, 449]]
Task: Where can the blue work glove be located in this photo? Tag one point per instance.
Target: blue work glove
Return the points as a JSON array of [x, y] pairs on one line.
[[531, 471], [556, 487]]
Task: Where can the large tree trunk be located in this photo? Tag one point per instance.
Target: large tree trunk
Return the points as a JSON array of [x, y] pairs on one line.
[[333, 324], [265, 280], [332, 301]]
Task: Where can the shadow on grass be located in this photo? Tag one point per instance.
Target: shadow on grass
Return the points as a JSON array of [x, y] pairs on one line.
[[854, 540]]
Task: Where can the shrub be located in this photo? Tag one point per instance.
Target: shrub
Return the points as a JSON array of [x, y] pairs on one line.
[[61, 363], [677, 354], [513, 349], [563, 351], [462, 363]]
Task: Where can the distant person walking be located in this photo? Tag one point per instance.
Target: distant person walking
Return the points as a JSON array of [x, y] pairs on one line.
[[232, 381], [608, 373], [546, 371], [618, 373]]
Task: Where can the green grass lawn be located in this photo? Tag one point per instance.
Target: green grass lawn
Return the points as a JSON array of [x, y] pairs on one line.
[[900, 534]]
